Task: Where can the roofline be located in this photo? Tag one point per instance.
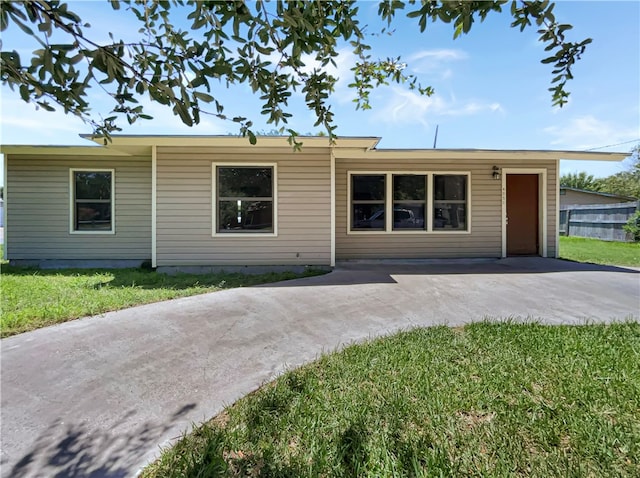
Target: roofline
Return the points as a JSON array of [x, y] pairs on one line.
[[495, 154], [344, 147], [599, 193], [358, 142], [59, 150]]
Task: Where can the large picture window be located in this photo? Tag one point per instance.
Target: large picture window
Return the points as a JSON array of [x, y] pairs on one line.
[[92, 201], [416, 202], [245, 199]]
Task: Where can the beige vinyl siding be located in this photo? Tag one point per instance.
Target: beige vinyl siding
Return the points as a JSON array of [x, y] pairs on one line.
[[38, 213], [185, 208], [485, 206]]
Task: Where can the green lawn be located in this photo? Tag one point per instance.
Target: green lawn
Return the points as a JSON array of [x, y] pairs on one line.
[[34, 298], [486, 400], [600, 252]]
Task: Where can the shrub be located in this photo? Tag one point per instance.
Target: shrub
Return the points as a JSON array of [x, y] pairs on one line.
[[633, 226]]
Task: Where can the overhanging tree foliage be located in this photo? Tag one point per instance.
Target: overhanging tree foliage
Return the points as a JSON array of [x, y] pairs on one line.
[[625, 183], [262, 44], [580, 180]]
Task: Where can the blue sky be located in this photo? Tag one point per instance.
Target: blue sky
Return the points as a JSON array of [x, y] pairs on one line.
[[490, 89]]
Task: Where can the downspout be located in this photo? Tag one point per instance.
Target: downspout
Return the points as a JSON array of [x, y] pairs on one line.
[[154, 192], [333, 207]]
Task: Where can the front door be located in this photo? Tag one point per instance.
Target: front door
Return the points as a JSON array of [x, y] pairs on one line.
[[522, 215]]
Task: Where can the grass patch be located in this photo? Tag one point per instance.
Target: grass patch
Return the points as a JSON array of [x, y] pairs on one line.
[[595, 251], [33, 298], [483, 400]]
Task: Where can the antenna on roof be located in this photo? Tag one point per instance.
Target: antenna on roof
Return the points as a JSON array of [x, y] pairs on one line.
[[435, 139]]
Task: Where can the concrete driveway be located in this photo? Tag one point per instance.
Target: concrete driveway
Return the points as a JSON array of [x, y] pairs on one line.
[[97, 397]]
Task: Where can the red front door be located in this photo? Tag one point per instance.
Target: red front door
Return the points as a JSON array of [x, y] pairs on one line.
[[522, 215]]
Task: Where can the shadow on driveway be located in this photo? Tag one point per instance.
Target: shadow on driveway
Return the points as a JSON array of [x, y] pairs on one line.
[[382, 271], [96, 397], [75, 450]]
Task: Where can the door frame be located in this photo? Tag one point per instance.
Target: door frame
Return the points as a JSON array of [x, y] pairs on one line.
[[542, 206]]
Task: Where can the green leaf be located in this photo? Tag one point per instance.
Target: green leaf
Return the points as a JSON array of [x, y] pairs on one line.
[[45, 105], [24, 92], [203, 96], [23, 27], [181, 110]]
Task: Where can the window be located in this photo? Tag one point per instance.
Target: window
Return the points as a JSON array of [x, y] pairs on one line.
[[92, 201], [416, 202], [245, 199], [450, 202], [368, 203], [409, 201]]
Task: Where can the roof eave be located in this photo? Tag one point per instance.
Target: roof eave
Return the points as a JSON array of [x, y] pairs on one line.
[[598, 193], [491, 154], [56, 150], [116, 141]]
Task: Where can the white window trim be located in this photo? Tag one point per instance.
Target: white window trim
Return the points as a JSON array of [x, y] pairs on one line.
[[214, 201], [154, 206], [5, 215], [389, 203], [333, 206], [557, 176], [72, 200]]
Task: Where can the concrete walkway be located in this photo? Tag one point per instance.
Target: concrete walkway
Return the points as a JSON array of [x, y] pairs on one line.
[[97, 397]]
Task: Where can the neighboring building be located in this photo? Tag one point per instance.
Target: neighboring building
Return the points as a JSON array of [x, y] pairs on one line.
[[218, 201], [575, 196]]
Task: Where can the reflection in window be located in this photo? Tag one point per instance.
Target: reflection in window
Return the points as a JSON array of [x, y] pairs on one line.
[[92, 201], [245, 199], [428, 202], [368, 202], [450, 202], [409, 201]]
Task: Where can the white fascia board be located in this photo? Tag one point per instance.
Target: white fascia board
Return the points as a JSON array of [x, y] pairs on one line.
[[493, 155], [362, 143], [18, 149]]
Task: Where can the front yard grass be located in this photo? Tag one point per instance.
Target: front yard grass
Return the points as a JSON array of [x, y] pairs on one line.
[[489, 399], [582, 249], [33, 298]]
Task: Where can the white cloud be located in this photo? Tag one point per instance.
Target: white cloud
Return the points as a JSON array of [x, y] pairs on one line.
[[345, 60], [405, 106], [439, 55], [165, 122], [36, 123], [21, 123], [425, 61], [586, 132], [434, 62]]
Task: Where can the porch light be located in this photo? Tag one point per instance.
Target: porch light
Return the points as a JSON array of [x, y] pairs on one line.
[[496, 172]]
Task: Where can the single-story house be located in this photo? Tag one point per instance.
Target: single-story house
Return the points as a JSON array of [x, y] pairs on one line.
[[180, 201], [576, 197]]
